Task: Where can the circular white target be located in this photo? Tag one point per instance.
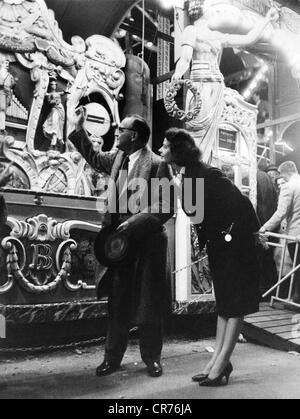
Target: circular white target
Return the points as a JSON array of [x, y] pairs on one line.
[[98, 121]]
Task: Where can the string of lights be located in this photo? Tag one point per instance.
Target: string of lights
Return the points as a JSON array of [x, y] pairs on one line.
[[260, 76]]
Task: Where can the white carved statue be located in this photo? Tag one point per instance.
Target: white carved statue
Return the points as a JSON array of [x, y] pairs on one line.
[[7, 84], [202, 46], [53, 127]]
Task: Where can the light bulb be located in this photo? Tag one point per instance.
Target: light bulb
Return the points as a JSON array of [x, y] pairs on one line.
[[168, 4]]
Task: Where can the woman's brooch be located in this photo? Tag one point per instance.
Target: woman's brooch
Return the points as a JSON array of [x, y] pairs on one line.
[[227, 234]]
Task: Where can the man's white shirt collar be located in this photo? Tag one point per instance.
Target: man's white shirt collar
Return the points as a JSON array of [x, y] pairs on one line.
[[133, 158]]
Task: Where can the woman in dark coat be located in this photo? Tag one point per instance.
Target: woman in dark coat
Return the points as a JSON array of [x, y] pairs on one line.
[[228, 231]]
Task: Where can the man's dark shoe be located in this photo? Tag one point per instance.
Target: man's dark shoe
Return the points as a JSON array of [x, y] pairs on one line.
[[106, 368], [154, 369]]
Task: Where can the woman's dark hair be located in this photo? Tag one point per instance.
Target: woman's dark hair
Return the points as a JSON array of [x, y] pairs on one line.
[[183, 147], [140, 125]]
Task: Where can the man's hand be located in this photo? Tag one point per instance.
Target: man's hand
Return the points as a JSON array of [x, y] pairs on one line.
[[262, 239], [123, 226], [273, 14], [6, 176], [78, 118], [176, 78]]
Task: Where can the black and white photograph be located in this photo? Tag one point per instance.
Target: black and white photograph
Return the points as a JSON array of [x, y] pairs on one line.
[[150, 202]]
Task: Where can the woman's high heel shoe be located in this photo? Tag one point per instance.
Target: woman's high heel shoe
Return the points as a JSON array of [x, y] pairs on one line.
[[199, 377], [217, 382]]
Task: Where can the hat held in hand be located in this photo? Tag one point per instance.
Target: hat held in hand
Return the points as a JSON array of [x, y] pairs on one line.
[[111, 246]]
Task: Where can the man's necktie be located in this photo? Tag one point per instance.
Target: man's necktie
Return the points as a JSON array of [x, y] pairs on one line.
[[125, 164], [122, 183]]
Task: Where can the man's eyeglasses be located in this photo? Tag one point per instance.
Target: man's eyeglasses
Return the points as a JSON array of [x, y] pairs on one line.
[[122, 129]]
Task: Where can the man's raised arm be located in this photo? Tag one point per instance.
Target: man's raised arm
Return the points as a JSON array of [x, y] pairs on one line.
[[100, 161]]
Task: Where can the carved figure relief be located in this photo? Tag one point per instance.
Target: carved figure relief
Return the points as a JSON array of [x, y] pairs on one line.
[[7, 84], [30, 36], [53, 127], [84, 262]]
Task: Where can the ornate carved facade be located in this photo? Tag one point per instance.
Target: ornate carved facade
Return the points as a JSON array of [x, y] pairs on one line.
[[39, 255], [46, 253], [91, 69]]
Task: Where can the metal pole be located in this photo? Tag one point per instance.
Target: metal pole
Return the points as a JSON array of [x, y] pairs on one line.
[[281, 281], [281, 266], [293, 276]]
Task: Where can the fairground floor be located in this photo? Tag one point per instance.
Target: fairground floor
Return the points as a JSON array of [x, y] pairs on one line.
[[259, 373]]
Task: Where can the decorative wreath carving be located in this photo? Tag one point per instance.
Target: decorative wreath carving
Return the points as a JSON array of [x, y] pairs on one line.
[[41, 230], [16, 271], [171, 105]]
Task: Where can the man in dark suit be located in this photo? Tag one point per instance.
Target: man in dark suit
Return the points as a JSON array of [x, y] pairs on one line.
[[266, 197], [138, 292], [263, 111], [266, 206], [273, 173]]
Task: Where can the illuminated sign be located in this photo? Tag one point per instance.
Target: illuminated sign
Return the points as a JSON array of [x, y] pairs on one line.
[[227, 140]]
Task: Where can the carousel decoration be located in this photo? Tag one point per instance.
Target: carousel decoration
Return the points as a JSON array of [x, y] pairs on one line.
[[217, 24], [172, 107], [40, 267], [46, 248], [62, 75], [53, 127], [7, 84], [242, 117]]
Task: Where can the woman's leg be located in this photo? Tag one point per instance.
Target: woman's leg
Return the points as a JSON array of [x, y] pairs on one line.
[[233, 330], [221, 331]]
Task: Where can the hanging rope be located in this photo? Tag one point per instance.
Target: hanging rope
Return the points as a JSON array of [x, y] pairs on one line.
[[189, 266]]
